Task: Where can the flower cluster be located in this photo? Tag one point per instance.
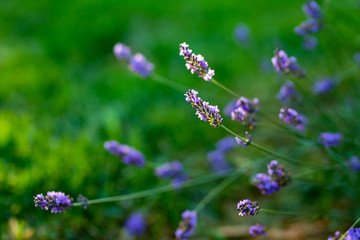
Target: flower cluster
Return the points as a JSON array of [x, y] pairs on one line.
[[337, 236], [196, 63], [323, 86], [312, 25], [291, 117], [135, 224], [129, 155], [354, 163], [286, 65], [276, 178], [187, 225], [247, 207], [245, 111], [172, 170], [217, 157], [204, 111], [55, 201], [330, 139], [287, 93], [83, 200], [352, 234], [257, 230], [137, 63], [244, 142]]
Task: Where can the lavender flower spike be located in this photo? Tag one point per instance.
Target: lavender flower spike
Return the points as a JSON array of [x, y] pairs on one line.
[[353, 234], [196, 63], [291, 117], [286, 65], [257, 230], [337, 236], [204, 111], [247, 207], [55, 201], [323, 86], [245, 142], [122, 51], [169, 170], [129, 155], [312, 9], [135, 224], [187, 225], [141, 66], [245, 111], [287, 93], [266, 184], [330, 139], [354, 163]]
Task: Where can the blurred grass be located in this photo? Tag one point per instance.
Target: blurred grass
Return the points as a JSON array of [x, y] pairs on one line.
[[63, 94]]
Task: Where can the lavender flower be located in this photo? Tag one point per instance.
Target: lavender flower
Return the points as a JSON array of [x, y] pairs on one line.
[[55, 201], [243, 142], [217, 161], [245, 112], [241, 33], [353, 234], [204, 111], [310, 42], [309, 26], [357, 57], [337, 236], [287, 93], [141, 66], [257, 230], [246, 208], [122, 51], [279, 174], [286, 65], [229, 108], [169, 170], [354, 163], [266, 184], [226, 144], [187, 225], [291, 117], [83, 200], [135, 224], [312, 9], [129, 155], [330, 139], [323, 86], [196, 63], [178, 181]]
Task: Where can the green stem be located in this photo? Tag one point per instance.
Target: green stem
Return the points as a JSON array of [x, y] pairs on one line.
[[280, 212], [170, 187], [225, 88], [215, 192], [163, 80], [344, 235]]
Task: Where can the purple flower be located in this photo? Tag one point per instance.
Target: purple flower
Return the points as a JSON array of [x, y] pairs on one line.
[[323, 86], [55, 201], [244, 142], [266, 184], [204, 111], [169, 170], [279, 174], [187, 225], [309, 26], [247, 207], [141, 66], [135, 224], [196, 63], [241, 33], [354, 163], [122, 51], [285, 64], [257, 230], [217, 161], [330, 139], [178, 181], [312, 9], [353, 234], [83, 200], [129, 155], [291, 117], [245, 112], [226, 144], [310, 42], [229, 108], [287, 93], [337, 236], [357, 57]]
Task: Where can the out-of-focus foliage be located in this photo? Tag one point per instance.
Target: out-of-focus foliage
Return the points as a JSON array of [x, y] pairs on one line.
[[62, 94]]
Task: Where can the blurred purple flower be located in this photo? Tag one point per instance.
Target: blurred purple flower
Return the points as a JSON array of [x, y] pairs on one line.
[[247, 207], [129, 155], [310, 42], [141, 66], [286, 65], [55, 201], [83, 200], [353, 234], [204, 111], [279, 174], [291, 117], [337, 236], [330, 139], [357, 57], [226, 144], [169, 170], [323, 86], [309, 26], [217, 161], [266, 184], [244, 142], [135, 224], [312, 9], [257, 230], [245, 112], [187, 225], [354, 163], [122, 51], [287, 93], [178, 181], [241, 33], [196, 63], [229, 108]]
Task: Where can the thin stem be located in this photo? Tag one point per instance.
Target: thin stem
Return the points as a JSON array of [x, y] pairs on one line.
[[163, 80], [215, 192], [280, 212], [225, 88], [170, 187], [344, 235]]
